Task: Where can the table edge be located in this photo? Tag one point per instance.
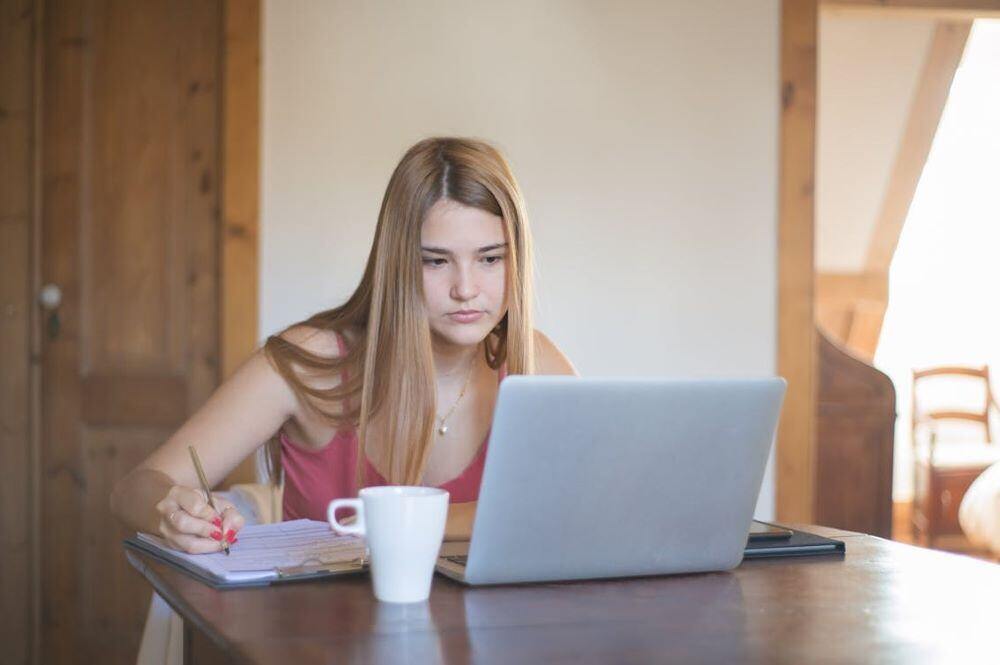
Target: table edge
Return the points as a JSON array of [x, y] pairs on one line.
[[185, 610]]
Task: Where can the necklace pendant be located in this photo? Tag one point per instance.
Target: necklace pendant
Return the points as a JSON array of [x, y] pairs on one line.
[[443, 430]]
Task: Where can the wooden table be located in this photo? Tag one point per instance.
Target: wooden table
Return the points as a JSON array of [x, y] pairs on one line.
[[883, 602]]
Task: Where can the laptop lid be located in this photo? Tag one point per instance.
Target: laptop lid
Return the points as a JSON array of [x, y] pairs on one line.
[[589, 478]]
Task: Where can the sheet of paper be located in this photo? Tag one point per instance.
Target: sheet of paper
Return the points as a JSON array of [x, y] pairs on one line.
[[263, 548]]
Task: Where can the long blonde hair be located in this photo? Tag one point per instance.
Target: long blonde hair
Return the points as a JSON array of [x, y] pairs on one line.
[[389, 365]]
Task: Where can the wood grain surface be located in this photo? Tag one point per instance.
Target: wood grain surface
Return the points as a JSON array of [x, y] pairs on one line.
[[882, 602]]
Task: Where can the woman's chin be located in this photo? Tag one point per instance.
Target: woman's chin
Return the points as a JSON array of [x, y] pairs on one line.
[[462, 335]]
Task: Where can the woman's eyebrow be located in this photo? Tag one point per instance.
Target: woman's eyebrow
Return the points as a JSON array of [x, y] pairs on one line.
[[446, 252]]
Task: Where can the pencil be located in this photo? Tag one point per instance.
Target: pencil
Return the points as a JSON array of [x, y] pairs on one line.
[[204, 485]]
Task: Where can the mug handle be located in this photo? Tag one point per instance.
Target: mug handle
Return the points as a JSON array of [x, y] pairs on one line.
[[356, 529]]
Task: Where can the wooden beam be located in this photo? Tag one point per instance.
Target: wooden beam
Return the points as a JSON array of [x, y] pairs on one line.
[[240, 192], [866, 328], [937, 9], [850, 307], [796, 445], [942, 60], [844, 287]]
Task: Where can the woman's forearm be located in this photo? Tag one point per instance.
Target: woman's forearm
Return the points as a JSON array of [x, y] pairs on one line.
[[135, 497]]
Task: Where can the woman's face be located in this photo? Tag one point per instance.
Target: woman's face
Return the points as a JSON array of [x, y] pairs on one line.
[[464, 256]]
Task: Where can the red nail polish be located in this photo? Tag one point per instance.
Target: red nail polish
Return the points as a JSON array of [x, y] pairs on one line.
[[216, 535], [230, 535], [235, 540], [217, 522]]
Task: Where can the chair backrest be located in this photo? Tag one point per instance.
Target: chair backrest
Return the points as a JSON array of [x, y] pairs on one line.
[[980, 416]]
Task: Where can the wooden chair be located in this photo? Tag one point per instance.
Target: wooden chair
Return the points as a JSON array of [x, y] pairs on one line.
[[943, 468]]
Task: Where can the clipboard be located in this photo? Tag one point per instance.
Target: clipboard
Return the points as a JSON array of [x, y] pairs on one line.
[[310, 566], [278, 575]]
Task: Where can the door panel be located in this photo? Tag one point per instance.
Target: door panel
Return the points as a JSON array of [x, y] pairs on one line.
[[130, 166], [113, 603]]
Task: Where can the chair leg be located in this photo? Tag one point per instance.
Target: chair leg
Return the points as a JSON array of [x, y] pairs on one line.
[[932, 507], [919, 511], [917, 520]]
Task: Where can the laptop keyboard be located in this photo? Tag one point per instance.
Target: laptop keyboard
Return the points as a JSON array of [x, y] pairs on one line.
[[460, 560]]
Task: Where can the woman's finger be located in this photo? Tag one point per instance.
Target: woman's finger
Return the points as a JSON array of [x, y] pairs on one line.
[[183, 522], [194, 502], [193, 544], [167, 505], [168, 509], [232, 520]]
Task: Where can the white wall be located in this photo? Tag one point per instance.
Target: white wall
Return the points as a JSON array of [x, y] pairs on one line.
[[869, 67], [644, 135]]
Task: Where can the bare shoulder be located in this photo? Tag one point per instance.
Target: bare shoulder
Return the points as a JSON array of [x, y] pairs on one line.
[[549, 359], [320, 342], [314, 340]]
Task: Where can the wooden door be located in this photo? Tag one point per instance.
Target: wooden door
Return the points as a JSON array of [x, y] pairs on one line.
[[17, 380], [129, 234]]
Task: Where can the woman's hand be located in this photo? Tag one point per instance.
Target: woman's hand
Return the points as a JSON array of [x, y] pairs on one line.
[[189, 524]]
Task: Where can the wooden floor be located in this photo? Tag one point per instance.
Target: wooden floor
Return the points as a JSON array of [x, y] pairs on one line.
[[902, 533]]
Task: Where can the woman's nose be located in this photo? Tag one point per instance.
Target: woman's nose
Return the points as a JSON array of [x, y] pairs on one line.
[[464, 287]]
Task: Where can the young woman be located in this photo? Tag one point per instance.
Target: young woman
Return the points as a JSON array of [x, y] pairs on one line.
[[396, 386]]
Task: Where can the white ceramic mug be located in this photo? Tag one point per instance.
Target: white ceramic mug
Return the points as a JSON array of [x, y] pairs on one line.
[[404, 527]]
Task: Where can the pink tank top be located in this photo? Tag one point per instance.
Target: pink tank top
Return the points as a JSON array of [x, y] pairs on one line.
[[316, 476]]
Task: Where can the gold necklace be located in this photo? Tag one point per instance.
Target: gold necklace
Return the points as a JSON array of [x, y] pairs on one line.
[[442, 428]]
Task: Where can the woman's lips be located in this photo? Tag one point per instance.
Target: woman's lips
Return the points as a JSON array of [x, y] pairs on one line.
[[466, 316]]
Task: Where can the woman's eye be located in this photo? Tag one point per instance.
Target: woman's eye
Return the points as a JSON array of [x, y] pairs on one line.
[[492, 260], [434, 262]]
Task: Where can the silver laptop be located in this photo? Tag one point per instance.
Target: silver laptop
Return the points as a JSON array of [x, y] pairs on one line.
[[592, 478]]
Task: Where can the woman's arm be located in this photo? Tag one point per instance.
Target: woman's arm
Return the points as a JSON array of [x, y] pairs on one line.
[[158, 496]]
